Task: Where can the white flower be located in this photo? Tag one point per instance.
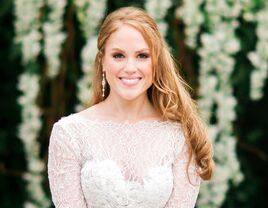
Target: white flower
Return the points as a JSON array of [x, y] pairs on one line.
[[259, 57], [54, 36], [36, 165], [157, 9], [248, 16], [88, 54], [30, 205], [232, 46], [30, 46], [219, 44], [162, 27], [89, 20]]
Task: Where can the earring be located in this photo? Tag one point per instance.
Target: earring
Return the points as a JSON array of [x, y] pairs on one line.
[[103, 82]]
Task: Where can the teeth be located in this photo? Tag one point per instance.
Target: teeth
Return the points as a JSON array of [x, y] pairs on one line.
[[130, 81]]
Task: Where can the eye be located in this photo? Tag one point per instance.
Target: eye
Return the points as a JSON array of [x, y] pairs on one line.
[[143, 56], [118, 56]]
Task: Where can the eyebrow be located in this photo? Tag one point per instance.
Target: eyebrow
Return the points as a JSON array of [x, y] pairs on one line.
[[142, 50]]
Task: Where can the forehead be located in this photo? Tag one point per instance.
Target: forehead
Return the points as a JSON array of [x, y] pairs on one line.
[[126, 38]]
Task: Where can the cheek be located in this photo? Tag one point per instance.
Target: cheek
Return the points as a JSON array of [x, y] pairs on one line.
[[148, 69], [111, 67]]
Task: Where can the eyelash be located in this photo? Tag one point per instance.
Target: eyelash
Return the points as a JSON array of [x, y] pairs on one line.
[[141, 55], [144, 55], [116, 56]]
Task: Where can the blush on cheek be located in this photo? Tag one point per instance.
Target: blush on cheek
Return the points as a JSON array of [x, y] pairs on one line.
[[113, 66], [147, 69]]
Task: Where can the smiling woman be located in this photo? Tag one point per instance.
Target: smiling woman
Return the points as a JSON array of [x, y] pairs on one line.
[[141, 143], [127, 64]]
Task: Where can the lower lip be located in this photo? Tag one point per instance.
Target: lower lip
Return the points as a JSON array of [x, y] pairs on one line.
[[130, 83]]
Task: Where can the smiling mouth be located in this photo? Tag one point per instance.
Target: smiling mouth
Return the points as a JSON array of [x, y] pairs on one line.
[[130, 81]]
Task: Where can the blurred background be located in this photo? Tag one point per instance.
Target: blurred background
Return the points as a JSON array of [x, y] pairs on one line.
[[47, 51]]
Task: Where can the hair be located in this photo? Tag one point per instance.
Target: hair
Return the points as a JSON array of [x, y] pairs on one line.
[[168, 92]]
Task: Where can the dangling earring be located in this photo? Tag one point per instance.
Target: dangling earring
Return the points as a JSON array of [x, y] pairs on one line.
[[103, 82]]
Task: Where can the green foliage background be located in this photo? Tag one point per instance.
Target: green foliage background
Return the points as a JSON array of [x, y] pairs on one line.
[[57, 98]]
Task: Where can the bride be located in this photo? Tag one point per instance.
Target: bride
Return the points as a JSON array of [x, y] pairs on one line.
[[141, 143]]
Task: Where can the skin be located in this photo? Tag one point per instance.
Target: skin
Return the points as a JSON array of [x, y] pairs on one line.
[[127, 56]]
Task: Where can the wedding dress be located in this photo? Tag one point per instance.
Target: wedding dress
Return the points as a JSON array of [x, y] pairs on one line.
[[106, 164]]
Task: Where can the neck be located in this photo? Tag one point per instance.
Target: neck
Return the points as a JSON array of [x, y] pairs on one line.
[[133, 110]]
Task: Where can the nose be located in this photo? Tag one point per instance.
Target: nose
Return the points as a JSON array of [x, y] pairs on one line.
[[130, 66]]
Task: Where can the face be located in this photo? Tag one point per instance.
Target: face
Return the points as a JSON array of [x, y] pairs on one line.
[[127, 64]]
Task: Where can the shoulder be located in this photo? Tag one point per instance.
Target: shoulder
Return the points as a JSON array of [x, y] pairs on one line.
[[92, 112], [177, 129], [67, 129], [65, 121], [65, 137], [179, 138], [72, 123], [69, 125], [72, 118]]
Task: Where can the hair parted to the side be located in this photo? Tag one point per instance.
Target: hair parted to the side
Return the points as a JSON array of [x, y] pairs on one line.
[[168, 92]]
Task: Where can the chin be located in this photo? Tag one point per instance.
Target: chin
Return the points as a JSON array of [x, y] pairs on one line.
[[129, 96]]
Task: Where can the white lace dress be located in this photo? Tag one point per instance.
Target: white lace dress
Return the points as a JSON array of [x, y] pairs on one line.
[[106, 164]]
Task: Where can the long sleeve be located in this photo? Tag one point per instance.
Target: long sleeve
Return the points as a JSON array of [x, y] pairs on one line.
[[64, 170], [184, 194]]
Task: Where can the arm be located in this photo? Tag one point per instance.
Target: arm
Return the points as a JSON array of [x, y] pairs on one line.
[[184, 194], [64, 171]]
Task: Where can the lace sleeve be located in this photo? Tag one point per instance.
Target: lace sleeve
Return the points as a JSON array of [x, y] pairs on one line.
[[184, 194], [64, 170]]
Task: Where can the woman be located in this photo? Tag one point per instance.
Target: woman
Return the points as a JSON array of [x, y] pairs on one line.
[[141, 142]]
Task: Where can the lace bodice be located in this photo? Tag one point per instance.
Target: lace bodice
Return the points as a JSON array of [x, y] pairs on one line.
[[99, 164]]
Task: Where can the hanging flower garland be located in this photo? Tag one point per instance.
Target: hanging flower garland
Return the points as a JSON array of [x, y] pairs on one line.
[[192, 16], [259, 58], [89, 21], [217, 65], [219, 45], [27, 27], [53, 35], [157, 10]]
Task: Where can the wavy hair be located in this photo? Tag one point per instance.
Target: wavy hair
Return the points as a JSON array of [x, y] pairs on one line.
[[168, 92]]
